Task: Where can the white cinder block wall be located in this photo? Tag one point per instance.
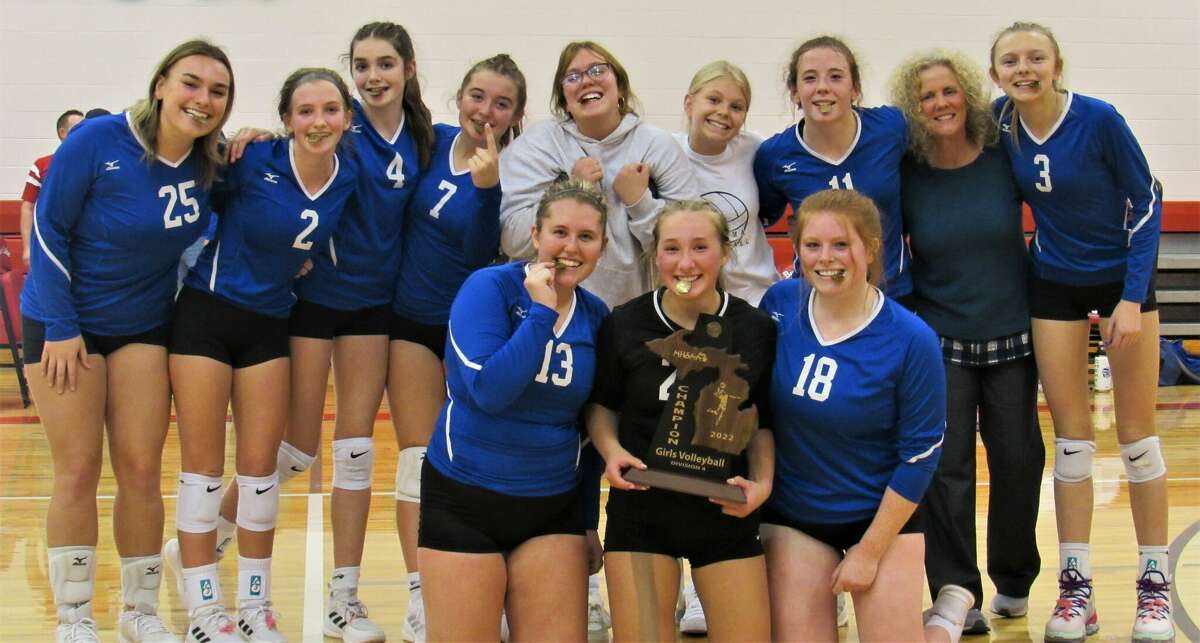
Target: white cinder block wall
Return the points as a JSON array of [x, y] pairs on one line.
[[1142, 56]]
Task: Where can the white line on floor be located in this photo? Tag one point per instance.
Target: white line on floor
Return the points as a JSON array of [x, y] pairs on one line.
[[314, 571]]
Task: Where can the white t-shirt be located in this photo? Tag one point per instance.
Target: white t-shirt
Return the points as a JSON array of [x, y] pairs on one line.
[[727, 181]]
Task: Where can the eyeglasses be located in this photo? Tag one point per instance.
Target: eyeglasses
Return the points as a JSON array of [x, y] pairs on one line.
[[595, 72]]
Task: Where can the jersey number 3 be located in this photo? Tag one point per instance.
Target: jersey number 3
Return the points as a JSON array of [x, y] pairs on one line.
[[1044, 184], [178, 194], [817, 388], [568, 365]]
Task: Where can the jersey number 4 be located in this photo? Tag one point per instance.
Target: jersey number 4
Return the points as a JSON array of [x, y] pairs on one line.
[[179, 194], [568, 365], [817, 388], [395, 171]]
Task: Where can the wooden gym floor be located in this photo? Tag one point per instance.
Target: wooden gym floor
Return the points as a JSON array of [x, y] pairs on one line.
[[304, 554]]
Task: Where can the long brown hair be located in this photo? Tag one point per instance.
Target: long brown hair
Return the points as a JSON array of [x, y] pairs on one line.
[[1009, 110], [416, 114], [627, 101], [826, 42], [502, 65], [144, 116]]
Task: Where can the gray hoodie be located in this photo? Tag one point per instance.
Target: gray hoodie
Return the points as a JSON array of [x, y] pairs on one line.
[[548, 151]]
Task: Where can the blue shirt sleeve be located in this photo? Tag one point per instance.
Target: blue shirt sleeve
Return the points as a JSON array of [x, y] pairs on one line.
[[498, 361], [772, 203], [922, 416], [1144, 214], [481, 244], [61, 203]]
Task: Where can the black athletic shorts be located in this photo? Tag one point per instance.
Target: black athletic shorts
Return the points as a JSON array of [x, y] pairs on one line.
[[839, 536], [321, 322], [33, 333], [1063, 302], [209, 326], [430, 336], [678, 526], [472, 520]]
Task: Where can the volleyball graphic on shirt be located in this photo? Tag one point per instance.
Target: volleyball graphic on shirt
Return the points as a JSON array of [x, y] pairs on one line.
[[735, 211]]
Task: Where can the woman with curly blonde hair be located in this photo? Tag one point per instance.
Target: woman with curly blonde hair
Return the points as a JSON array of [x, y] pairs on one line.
[[963, 215]]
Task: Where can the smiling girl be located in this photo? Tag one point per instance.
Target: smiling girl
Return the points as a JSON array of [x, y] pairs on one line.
[[128, 193], [279, 204]]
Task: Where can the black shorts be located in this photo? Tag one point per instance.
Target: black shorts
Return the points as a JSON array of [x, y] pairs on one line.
[[1063, 302], [321, 322], [472, 520], [33, 333], [209, 326], [839, 536], [682, 527], [431, 336]]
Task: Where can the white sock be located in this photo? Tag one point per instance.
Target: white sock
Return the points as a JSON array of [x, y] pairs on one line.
[[201, 587], [344, 579], [254, 580], [1076, 556], [1153, 558], [226, 532], [938, 620], [140, 578], [414, 582]]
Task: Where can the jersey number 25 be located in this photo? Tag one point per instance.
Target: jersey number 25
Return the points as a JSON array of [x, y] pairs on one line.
[[179, 194]]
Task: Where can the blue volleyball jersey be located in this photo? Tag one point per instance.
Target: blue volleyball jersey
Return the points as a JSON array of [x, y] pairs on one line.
[[787, 171], [267, 226], [108, 232], [852, 416], [515, 387], [358, 267], [453, 229], [1097, 207]]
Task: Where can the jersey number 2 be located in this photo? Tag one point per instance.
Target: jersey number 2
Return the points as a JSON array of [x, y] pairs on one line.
[[302, 241], [822, 378], [568, 365], [178, 194]]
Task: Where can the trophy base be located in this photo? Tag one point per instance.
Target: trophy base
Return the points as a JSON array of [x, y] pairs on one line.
[[686, 484]]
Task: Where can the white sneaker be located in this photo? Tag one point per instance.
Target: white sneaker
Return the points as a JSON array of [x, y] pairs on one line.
[[135, 626], [843, 610], [599, 622], [1153, 621], [1074, 617], [1009, 607], [346, 619], [414, 621], [259, 622], [692, 621], [76, 625], [211, 625]]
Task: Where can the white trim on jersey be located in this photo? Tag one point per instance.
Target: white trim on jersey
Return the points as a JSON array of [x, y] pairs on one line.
[[1054, 128], [658, 293], [579, 450], [337, 164], [570, 314], [33, 176], [1146, 217], [812, 295], [928, 452], [212, 278], [395, 135], [849, 150], [164, 161], [461, 357], [332, 253], [450, 158], [449, 409], [46, 249]]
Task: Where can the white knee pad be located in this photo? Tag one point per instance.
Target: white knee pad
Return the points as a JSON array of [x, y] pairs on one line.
[[291, 462], [72, 573], [1143, 460], [1073, 459], [353, 459], [408, 474], [258, 502], [198, 504]]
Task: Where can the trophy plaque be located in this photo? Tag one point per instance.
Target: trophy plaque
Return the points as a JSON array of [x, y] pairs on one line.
[[701, 429]]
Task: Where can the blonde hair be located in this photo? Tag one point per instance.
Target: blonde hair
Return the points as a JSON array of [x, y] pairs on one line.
[[1009, 110], [906, 94], [699, 206], [145, 115], [577, 190], [718, 69], [627, 102], [857, 210]]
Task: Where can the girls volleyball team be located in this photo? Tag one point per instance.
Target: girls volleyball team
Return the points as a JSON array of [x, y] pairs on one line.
[[368, 239]]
